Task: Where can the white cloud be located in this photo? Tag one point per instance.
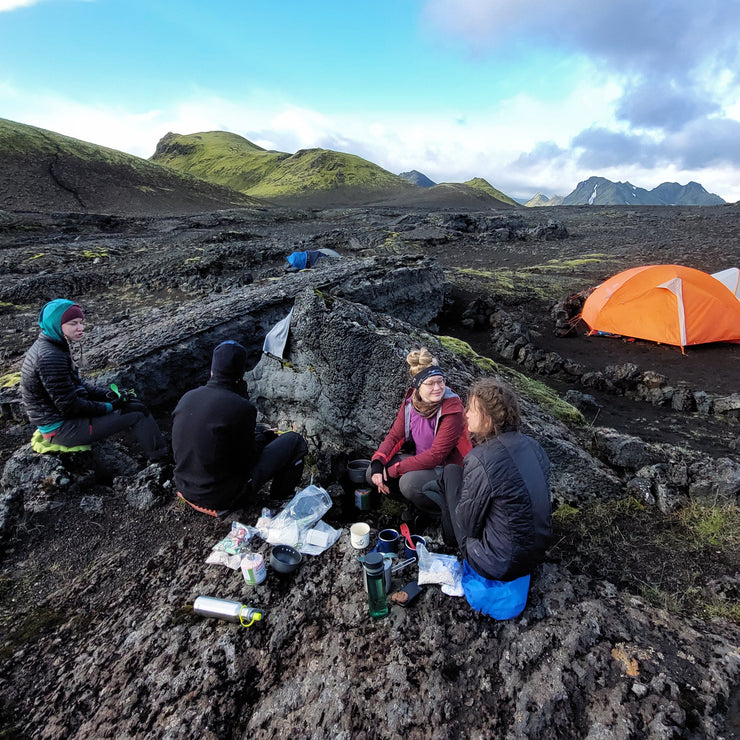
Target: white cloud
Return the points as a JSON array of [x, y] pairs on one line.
[[6, 5], [660, 37]]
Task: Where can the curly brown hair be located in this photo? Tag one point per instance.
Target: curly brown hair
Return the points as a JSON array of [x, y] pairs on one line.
[[498, 405]]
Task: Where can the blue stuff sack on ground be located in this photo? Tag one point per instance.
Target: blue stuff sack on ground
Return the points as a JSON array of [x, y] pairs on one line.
[[497, 599]]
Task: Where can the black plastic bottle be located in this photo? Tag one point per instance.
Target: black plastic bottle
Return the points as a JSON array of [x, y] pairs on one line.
[[375, 579]]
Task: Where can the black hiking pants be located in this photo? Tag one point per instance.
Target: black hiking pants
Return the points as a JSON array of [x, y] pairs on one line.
[[75, 432], [282, 461]]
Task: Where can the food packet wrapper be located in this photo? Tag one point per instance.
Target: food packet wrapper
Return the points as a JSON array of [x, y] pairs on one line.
[[231, 549]]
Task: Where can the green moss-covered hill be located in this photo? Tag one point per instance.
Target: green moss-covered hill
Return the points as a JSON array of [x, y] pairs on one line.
[[478, 183], [44, 170], [319, 176], [231, 160]]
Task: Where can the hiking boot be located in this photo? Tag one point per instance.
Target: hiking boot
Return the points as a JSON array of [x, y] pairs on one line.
[[418, 520]]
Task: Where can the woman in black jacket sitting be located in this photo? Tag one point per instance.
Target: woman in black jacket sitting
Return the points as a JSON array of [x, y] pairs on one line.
[[67, 410], [498, 503]]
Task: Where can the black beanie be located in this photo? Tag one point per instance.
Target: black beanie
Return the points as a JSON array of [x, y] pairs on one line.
[[229, 361]]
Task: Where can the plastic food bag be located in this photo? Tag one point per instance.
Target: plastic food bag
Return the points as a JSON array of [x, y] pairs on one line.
[[445, 570], [232, 548], [291, 525]]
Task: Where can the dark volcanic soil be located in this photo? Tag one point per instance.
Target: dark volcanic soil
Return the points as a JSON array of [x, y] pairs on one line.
[[120, 267]]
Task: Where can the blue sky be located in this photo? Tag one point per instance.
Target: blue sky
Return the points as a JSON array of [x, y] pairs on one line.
[[532, 96]]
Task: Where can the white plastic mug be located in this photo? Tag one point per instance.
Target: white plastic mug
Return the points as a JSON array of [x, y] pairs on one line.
[[359, 535]]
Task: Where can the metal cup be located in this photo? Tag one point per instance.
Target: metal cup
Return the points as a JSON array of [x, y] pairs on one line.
[[388, 540], [416, 539]]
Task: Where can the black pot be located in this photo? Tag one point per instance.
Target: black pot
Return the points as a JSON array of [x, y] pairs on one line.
[[357, 469], [285, 559]]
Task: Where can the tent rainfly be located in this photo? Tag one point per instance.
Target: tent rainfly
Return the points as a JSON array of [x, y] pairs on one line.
[[731, 279], [670, 304]]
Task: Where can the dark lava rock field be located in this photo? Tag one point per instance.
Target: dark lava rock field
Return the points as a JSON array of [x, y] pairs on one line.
[[632, 624]]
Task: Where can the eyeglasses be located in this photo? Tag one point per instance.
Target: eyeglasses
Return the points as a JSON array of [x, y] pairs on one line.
[[433, 384]]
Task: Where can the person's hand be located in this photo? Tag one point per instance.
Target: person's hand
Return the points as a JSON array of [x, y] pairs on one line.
[[379, 481], [133, 404], [118, 404], [265, 434]]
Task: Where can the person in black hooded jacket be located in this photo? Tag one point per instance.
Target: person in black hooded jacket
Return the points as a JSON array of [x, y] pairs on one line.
[[222, 456], [497, 505]]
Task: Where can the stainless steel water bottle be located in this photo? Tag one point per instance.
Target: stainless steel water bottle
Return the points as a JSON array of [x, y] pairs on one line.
[[231, 611]]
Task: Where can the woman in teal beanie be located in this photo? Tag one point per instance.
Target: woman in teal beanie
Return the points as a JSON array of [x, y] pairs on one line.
[[67, 410]]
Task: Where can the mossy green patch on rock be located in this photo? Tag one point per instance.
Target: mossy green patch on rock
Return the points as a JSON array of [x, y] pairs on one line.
[[463, 349], [711, 525], [565, 513], [507, 285], [31, 629], [544, 396], [9, 380], [567, 264]]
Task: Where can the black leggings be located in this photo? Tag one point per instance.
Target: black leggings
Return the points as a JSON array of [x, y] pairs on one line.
[[452, 488], [75, 432], [411, 486]]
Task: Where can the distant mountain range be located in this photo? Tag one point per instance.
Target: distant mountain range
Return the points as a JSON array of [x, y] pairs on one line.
[[598, 191], [543, 200], [477, 183], [40, 169]]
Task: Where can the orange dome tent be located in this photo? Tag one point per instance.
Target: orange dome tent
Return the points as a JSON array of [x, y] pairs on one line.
[[670, 304]]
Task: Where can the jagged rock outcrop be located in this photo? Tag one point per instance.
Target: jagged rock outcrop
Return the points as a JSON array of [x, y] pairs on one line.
[[347, 375]]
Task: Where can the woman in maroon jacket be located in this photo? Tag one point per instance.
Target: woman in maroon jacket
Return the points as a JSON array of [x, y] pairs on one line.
[[428, 433]]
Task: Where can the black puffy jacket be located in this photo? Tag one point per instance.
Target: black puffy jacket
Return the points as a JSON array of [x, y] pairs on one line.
[[51, 388], [504, 507]]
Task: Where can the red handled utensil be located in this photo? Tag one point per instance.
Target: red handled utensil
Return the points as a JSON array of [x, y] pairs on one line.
[[407, 535]]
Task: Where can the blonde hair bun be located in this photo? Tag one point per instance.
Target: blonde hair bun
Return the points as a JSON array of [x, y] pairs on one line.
[[420, 359]]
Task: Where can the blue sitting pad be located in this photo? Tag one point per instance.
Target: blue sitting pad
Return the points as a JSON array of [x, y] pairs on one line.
[[497, 599], [40, 444]]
